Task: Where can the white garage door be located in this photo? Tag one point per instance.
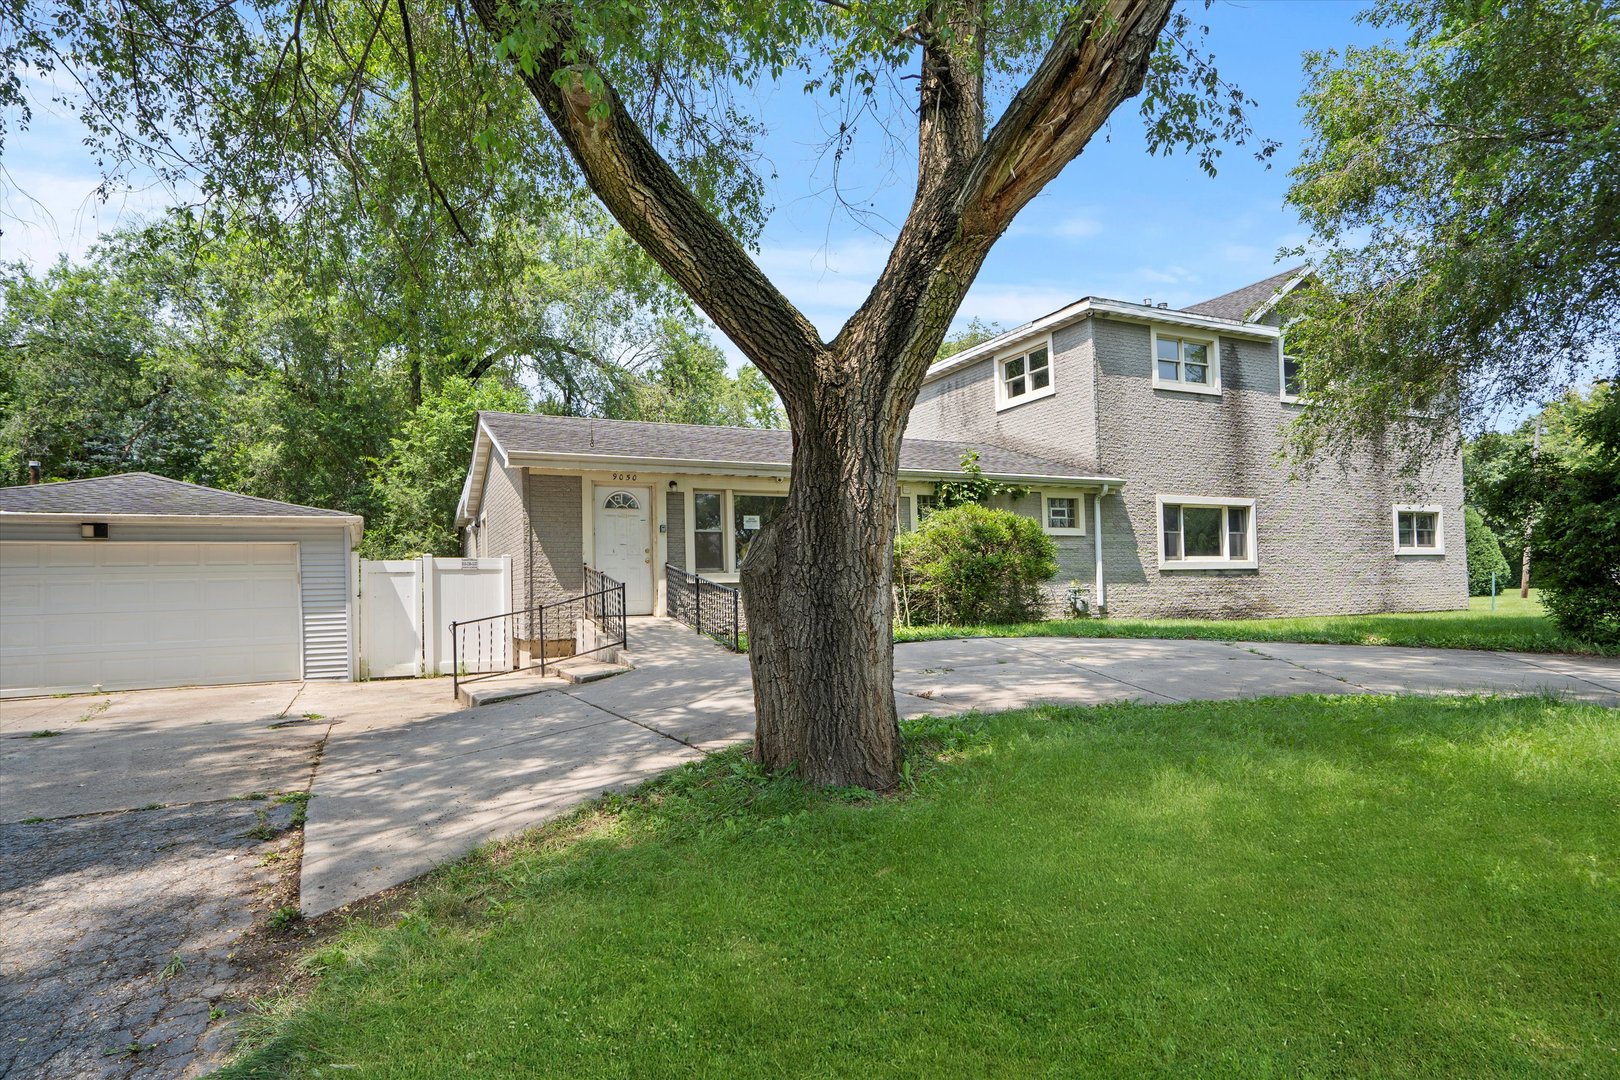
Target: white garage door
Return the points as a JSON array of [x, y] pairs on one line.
[[77, 616]]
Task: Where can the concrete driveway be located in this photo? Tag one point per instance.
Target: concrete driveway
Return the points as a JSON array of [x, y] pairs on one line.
[[402, 783]]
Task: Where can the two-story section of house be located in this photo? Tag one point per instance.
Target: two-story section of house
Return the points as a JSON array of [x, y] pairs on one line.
[[1189, 409]]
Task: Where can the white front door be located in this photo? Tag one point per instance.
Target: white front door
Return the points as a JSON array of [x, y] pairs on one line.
[[624, 543]]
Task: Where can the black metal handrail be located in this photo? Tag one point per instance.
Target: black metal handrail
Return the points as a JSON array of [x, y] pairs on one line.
[[602, 603], [710, 608]]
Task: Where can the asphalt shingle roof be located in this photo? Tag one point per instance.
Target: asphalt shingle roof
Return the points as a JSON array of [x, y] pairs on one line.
[[526, 433], [1237, 304], [145, 493]]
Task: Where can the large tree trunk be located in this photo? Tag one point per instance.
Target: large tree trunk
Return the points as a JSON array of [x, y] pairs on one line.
[[821, 610], [817, 581]]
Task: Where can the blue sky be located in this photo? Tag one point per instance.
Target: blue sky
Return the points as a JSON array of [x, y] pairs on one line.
[[1117, 223]]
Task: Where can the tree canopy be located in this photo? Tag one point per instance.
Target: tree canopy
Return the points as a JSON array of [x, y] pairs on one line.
[[1462, 186]]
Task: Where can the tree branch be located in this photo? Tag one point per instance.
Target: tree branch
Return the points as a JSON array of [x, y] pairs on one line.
[[416, 123], [657, 209]]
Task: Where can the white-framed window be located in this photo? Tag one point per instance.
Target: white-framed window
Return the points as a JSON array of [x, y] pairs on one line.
[[1200, 533], [925, 505], [1186, 361], [1064, 515], [1419, 530], [1025, 375], [708, 532], [1291, 385]]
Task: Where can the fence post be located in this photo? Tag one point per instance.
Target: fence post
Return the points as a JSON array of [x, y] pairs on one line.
[[455, 668], [697, 604], [736, 624]]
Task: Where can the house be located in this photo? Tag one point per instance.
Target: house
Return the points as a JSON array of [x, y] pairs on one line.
[[1146, 438], [627, 498], [137, 581]]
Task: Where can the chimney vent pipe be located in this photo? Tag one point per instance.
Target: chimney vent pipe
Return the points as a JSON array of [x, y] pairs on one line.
[[33, 472]]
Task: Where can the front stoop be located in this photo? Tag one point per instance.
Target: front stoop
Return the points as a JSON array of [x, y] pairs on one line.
[[559, 675]]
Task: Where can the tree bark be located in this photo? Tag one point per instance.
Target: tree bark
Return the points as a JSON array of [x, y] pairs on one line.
[[817, 581]]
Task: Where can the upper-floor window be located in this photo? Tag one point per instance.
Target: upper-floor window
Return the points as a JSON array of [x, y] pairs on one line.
[[1291, 384], [1184, 361], [1418, 531], [1206, 533], [1024, 376]]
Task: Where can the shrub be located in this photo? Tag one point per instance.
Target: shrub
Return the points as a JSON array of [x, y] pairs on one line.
[[969, 565], [1484, 555], [1577, 539]]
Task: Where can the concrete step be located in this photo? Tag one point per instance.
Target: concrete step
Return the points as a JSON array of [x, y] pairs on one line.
[[588, 670], [506, 688]]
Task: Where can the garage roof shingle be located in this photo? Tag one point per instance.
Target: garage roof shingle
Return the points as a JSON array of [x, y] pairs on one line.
[[539, 434], [149, 494]]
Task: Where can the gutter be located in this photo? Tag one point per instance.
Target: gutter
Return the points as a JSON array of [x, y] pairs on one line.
[[355, 524], [1092, 306]]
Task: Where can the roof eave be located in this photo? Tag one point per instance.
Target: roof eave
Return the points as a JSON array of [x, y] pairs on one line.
[[353, 522]]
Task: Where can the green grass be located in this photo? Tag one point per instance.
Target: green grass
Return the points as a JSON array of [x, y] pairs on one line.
[[1305, 887], [1515, 626]]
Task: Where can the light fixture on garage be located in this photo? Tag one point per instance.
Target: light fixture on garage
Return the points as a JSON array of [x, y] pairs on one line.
[[93, 530]]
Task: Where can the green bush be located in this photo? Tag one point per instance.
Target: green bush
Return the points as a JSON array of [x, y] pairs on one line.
[[971, 565], [1484, 555], [1577, 539]]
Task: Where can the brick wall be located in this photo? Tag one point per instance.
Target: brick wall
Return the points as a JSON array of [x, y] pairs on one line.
[[962, 406], [557, 561], [1324, 542]]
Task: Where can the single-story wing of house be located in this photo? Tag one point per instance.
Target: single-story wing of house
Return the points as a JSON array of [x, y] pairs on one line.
[[558, 492], [137, 581]]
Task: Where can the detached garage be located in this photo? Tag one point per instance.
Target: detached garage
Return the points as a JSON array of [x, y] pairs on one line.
[[136, 581]]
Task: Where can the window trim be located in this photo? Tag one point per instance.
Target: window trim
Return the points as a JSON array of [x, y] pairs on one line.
[[1282, 376], [725, 555], [1212, 343], [1439, 513], [1079, 498], [1252, 562], [1003, 402]]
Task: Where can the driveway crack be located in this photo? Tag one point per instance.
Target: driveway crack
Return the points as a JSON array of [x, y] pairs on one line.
[[630, 720]]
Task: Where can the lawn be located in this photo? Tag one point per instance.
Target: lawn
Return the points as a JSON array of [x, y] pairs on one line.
[[1515, 626], [1300, 887]]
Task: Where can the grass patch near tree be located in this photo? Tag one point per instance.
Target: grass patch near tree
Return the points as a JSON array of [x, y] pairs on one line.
[[1515, 626], [1294, 887]]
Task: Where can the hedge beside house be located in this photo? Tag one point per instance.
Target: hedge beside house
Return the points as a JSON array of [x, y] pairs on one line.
[[971, 565], [1484, 555]]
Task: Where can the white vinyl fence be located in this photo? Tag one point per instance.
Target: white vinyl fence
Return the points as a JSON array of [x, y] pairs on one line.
[[407, 605]]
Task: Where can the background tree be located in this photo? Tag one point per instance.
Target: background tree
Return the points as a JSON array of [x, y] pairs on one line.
[[1462, 189], [638, 104], [1487, 566], [1577, 540]]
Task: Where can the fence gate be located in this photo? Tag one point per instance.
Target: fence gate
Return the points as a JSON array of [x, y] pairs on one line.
[[407, 605]]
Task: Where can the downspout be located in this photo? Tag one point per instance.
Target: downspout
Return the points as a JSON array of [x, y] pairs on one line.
[[1096, 535]]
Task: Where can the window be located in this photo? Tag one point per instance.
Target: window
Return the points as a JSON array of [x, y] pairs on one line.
[[1186, 363], [1024, 377], [1204, 534], [751, 513], [621, 500], [926, 504], [1063, 514], [1290, 378], [1418, 531], [708, 535]]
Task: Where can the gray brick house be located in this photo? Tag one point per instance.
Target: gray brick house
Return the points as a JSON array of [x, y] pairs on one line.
[[1146, 437]]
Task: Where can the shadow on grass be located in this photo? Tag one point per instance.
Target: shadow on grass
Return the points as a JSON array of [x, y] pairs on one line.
[[1297, 886]]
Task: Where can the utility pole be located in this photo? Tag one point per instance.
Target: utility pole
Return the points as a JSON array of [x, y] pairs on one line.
[[1524, 569]]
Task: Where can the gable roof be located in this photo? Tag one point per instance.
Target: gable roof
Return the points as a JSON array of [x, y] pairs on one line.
[[145, 494], [543, 440], [1251, 301]]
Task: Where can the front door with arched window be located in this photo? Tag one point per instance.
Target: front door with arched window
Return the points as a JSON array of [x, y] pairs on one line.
[[624, 543]]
